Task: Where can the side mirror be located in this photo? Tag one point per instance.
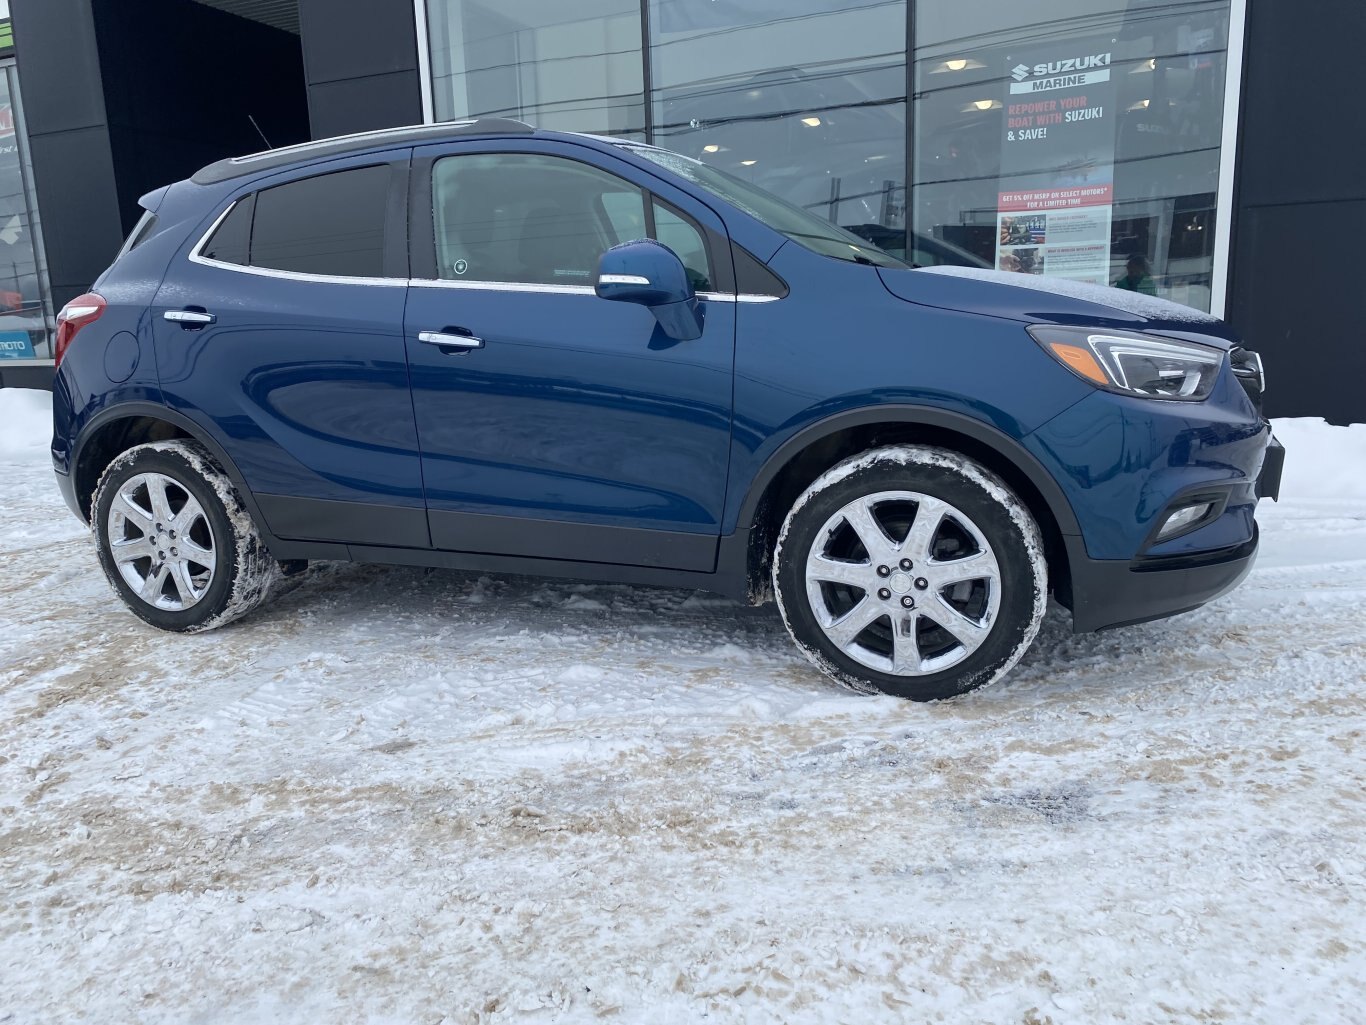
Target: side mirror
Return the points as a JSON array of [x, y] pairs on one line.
[[649, 273]]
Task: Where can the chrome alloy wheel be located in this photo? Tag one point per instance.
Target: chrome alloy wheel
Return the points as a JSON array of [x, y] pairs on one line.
[[903, 583], [161, 541]]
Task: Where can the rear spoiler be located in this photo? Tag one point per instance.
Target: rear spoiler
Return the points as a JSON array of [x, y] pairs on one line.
[[152, 200]]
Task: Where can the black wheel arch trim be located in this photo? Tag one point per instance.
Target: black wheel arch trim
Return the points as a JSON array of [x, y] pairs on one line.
[[131, 410], [912, 415]]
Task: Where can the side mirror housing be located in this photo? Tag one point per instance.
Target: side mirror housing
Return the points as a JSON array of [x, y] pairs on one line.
[[650, 274]]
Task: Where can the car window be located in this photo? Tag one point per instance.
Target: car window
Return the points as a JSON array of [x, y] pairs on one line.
[[683, 237], [231, 241], [140, 232], [626, 213], [329, 224], [528, 218]]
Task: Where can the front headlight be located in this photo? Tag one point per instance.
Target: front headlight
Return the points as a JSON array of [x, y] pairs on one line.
[[1133, 364]]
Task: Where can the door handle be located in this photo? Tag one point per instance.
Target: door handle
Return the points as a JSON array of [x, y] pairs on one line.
[[451, 338], [189, 318]]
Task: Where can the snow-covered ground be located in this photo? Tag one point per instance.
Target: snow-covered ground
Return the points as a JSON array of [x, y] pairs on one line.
[[409, 796]]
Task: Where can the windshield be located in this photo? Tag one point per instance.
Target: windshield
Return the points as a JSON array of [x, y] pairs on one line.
[[806, 229]]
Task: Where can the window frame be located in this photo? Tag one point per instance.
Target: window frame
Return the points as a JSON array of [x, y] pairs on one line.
[[394, 258], [422, 224]]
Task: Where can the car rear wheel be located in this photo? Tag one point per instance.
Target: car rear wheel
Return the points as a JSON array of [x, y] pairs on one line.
[[175, 540], [912, 571]]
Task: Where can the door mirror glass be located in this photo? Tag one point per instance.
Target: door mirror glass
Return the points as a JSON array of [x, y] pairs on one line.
[[650, 274]]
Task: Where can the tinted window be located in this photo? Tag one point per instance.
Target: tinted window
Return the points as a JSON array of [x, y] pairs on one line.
[[230, 242], [140, 232], [753, 278], [527, 218], [331, 224], [683, 237]]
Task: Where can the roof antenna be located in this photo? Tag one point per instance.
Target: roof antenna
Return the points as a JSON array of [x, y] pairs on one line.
[[259, 132]]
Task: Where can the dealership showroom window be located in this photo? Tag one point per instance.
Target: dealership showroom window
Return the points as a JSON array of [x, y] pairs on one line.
[[25, 307], [1077, 139]]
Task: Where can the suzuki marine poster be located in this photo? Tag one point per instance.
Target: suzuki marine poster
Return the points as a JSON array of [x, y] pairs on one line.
[[1057, 164]]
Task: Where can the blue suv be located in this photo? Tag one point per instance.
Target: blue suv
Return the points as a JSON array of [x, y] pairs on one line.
[[482, 346]]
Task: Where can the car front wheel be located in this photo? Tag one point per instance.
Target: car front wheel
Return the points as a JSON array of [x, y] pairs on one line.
[[175, 540], [913, 571]]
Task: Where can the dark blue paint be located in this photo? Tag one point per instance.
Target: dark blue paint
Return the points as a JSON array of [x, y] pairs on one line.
[[580, 410]]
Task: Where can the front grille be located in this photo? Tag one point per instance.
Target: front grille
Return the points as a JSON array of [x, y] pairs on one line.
[[1247, 367]]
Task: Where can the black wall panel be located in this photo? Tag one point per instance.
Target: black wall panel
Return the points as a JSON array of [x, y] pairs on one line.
[[192, 105], [73, 170], [362, 104], [1300, 214], [360, 58], [122, 97]]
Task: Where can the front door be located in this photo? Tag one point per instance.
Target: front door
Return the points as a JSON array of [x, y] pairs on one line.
[[575, 429]]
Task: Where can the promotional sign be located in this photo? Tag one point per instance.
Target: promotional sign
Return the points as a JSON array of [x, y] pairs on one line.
[[1057, 165], [15, 345]]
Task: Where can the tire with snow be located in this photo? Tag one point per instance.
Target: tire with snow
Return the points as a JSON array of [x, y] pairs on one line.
[[913, 571], [175, 540]]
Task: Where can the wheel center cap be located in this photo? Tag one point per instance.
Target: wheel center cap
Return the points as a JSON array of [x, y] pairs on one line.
[[899, 582]]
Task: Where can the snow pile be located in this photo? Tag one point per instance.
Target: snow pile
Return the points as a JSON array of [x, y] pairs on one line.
[[1322, 461], [400, 795], [25, 421]]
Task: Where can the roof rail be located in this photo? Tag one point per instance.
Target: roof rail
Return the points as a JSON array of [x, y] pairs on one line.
[[234, 167]]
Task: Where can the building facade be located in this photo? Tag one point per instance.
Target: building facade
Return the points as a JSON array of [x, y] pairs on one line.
[[1192, 149]]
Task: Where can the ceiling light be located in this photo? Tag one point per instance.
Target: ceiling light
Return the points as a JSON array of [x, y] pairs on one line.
[[977, 105], [711, 148], [749, 163], [956, 64], [983, 104], [811, 122], [1140, 105]]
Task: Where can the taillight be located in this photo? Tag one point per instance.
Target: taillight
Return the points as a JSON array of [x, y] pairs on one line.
[[80, 311]]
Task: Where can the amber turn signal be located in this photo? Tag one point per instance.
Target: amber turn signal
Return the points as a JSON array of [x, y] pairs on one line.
[[1081, 360]]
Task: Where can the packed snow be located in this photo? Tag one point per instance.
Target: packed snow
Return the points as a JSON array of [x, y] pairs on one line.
[[398, 795]]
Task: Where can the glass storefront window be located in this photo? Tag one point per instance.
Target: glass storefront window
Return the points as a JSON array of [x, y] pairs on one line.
[[25, 305], [569, 67], [1074, 138], [805, 98]]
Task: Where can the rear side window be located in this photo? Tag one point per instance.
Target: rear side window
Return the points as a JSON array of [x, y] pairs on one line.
[[230, 242], [140, 231], [331, 224]]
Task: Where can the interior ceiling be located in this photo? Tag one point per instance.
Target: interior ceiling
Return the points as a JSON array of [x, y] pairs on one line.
[[281, 14]]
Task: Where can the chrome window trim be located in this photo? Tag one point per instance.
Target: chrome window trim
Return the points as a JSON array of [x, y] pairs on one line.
[[196, 256], [502, 286], [522, 286]]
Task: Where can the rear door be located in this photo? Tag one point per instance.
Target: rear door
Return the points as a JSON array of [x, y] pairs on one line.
[[282, 332], [576, 430]]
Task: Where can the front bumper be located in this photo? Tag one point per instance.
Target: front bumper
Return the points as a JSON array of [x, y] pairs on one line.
[[1108, 593]]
